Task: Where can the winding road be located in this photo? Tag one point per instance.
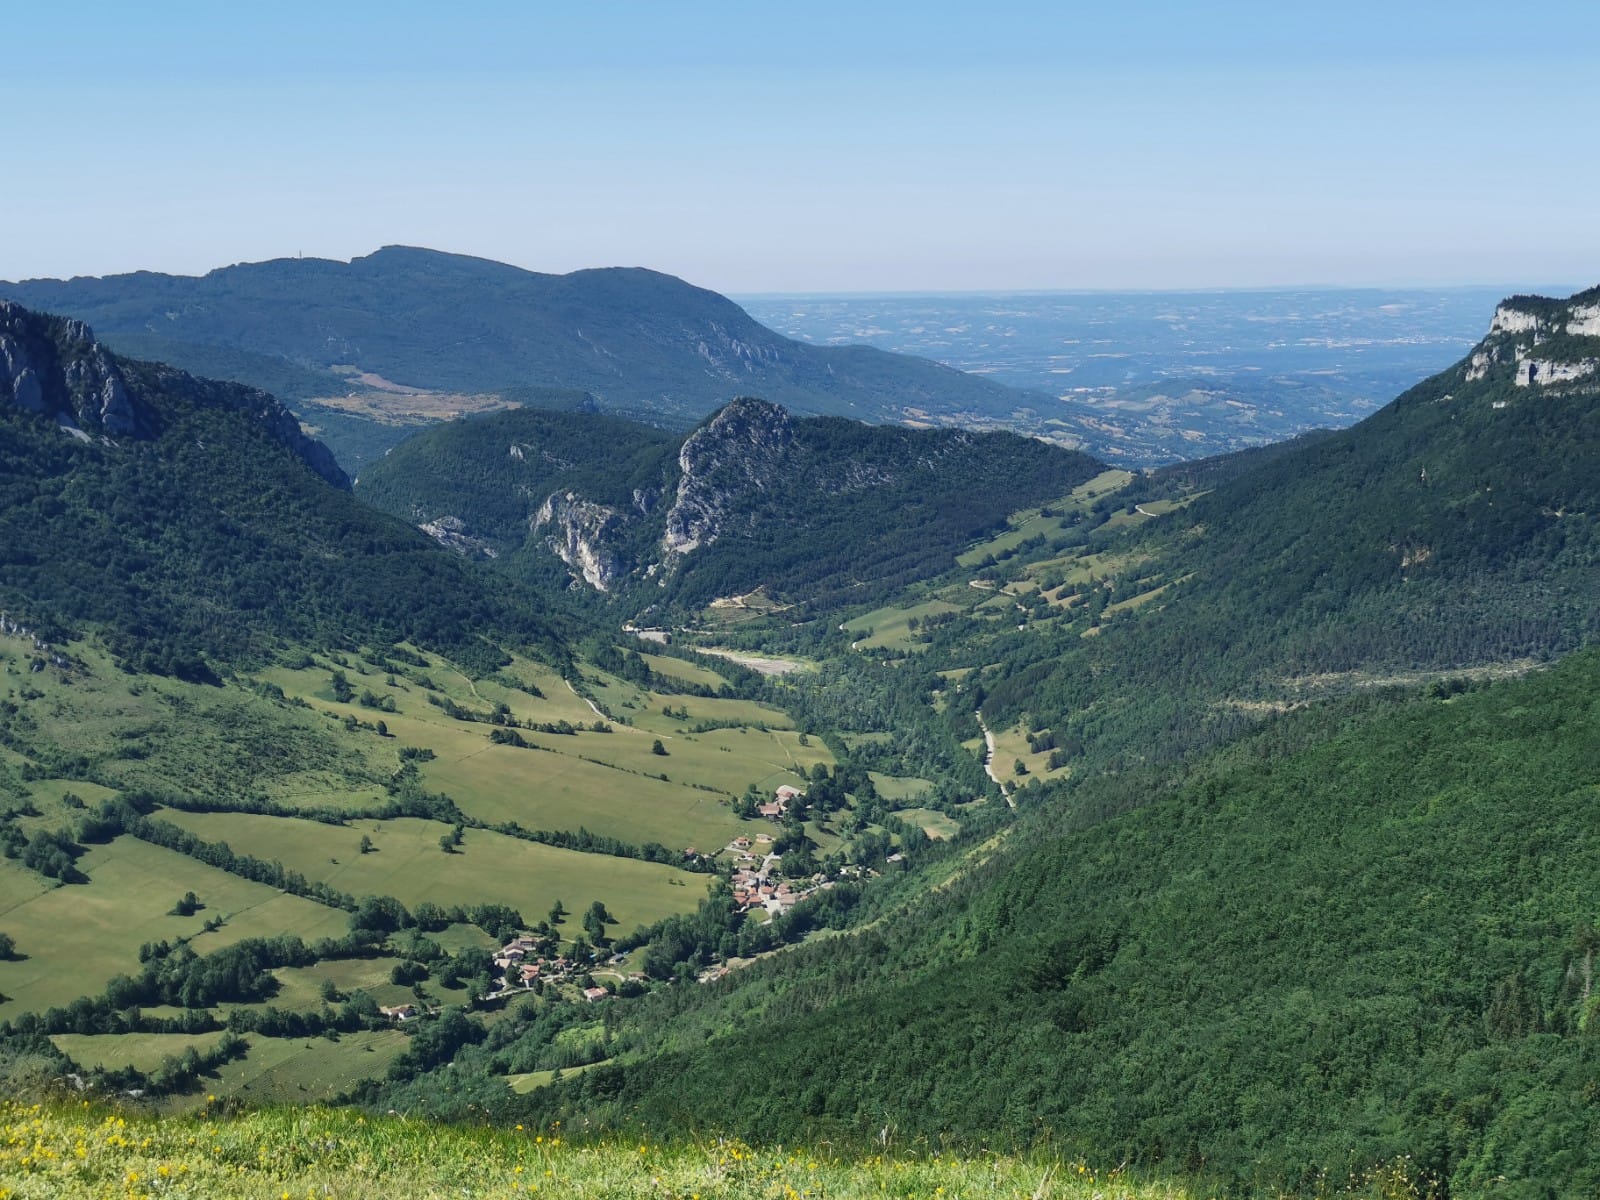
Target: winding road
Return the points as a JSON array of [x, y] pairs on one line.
[[988, 757]]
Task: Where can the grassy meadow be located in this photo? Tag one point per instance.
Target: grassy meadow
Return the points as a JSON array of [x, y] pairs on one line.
[[66, 1149], [327, 733], [408, 864], [72, 939]]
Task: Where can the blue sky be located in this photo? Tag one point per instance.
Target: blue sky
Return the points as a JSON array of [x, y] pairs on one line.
[[822, 146]]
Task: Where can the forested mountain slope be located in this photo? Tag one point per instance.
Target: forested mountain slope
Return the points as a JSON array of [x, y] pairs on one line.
[[640, 341], [187, 519], [1455, 528], [822, 510], [1363, 933]]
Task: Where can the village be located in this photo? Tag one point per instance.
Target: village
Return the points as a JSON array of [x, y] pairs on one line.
[[525, 969], [535, 962], [527, 963]]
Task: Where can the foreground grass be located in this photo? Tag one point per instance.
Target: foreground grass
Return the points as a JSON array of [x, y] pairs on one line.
[[58, 1150]]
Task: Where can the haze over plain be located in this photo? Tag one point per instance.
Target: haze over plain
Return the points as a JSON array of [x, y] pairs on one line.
[[824, 147]]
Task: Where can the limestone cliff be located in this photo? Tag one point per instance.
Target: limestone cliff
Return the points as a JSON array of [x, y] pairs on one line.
[[1539, 342], [584, 535], [55, 368], [738, 451]]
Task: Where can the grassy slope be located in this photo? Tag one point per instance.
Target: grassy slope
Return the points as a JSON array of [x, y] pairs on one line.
[[59, 1150], [636, 339], [1349, 938], [1452, 529], [103, 731]]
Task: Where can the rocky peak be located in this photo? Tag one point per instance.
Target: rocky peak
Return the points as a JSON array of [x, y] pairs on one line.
[[54, 367], [738, 450], [583, 535], [1542, 342]]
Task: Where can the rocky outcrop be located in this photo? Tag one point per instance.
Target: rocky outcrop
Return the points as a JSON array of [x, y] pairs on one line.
[[584, 535], [737, 451], [55, 368], [1585, 320], [1533, 372], [451, 533], [1541, 342], [1508, 319]]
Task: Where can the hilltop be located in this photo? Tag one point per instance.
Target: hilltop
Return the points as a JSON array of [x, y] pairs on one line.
[[358, 340], [819, 511], [186, 519], [1297, 880]]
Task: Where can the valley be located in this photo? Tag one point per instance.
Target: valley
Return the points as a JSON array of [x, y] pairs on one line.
[[800, 602], [540, 784]]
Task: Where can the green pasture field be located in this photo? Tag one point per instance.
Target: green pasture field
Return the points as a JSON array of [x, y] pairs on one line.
[[724, 759], [300, 988], [526, 1082], [890, 627], [77, 936], [1031, 522], [44, 797], [687, 672], [648, 715], [1011, 745], [572, 783], [142, 1051], [273, 1070], [301, 1070], [163, 734], [609, 783], [897, 789], [1139, 601], [543, 790], [935, 824], [409, 865]]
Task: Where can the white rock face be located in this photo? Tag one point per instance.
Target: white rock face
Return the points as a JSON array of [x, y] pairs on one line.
[[1513, 320], [1585, 321], [579, 531], [452, 532], [1543, 373], [1515, 335], [736, 453]]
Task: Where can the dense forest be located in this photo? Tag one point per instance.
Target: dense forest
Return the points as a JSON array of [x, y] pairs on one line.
[[638, 340], [1365, 931], [208, 535], [819, 511]]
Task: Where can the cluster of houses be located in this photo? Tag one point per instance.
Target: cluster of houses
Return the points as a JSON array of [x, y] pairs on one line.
[[523, 967], [755, 886], [784, 797]]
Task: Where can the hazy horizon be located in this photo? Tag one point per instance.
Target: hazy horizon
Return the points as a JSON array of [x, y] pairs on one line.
[[1290, 286], [888, 148]]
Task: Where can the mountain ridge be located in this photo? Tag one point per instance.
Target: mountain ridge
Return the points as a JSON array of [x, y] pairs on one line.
[[637, 339], [194, 521], [55, 367], [754, 497]]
